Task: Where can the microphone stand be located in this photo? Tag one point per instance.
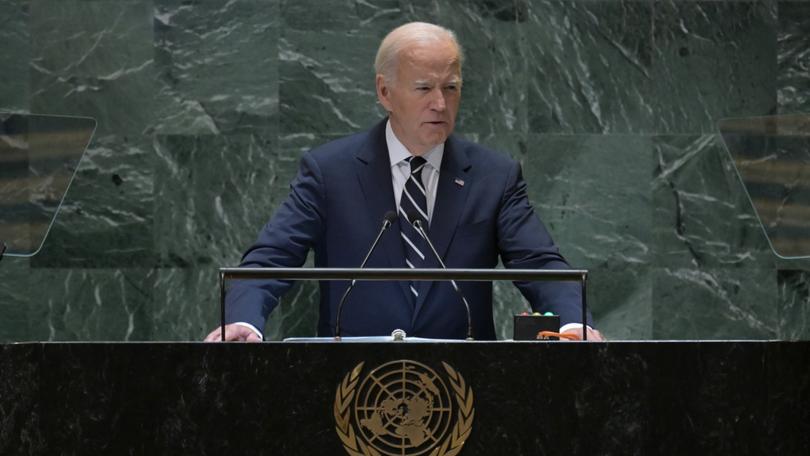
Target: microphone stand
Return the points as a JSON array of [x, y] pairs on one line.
[[417, 223], [389, 219], [2, 249]]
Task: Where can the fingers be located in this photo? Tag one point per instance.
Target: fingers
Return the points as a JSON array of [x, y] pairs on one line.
[[213, 336], [595, 336], [233, 333]]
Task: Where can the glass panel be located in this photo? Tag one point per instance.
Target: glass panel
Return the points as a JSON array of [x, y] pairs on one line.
[[39, 156], [772, 158]]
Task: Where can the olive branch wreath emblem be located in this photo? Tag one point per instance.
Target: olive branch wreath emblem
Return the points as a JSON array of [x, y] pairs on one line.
[[355, 446]]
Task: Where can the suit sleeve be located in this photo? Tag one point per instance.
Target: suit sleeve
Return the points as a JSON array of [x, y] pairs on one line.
[[284, 241], [524, 243]]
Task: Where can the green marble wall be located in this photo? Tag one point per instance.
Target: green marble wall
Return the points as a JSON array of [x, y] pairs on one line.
[[204, 107]]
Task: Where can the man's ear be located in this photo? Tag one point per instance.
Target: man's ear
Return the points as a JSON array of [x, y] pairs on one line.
[[383, 92]]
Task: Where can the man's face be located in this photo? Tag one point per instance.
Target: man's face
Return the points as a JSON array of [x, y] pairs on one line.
[[424, 99]]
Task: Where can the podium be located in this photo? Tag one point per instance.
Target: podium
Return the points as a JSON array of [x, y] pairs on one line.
[[529, 398], [391, 274]]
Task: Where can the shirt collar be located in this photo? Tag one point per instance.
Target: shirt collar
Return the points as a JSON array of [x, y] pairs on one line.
[[397, 151]]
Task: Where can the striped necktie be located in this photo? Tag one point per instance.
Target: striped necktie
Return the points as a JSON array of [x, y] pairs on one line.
[[414, 201]]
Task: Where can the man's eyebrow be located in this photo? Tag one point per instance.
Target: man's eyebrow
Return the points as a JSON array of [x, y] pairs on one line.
[[427, 82]]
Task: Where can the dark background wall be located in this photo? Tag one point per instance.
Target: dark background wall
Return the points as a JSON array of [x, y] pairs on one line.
[[204, 108]]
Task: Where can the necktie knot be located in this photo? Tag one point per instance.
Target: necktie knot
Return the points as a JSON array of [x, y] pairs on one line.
[[416, 164]]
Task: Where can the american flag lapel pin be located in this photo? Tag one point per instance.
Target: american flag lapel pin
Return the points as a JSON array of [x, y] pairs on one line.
[[459, 182]]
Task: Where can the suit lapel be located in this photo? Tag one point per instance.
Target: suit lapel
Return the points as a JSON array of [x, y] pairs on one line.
[[451, 195], [374, 174]]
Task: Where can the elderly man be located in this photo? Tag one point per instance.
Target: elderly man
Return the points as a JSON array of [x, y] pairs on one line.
[[471, 200]]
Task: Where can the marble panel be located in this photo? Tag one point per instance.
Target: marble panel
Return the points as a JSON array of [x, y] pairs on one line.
[[106, 218], [714, 303], [593, 194], [793, 57], [91, 304], [712, 60], [185, 304], [94, 59], [701, 216], [327, 76], [649, 67], [16, 52], [217, 65], [590, 67], [794, 304], [14, 299], [214, 193], [621, 302]]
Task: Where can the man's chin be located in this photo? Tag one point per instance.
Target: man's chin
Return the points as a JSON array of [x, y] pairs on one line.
[[436, 138], [434, 141]]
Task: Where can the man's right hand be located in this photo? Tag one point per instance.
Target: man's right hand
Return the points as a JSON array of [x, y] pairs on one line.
[[233, 332]]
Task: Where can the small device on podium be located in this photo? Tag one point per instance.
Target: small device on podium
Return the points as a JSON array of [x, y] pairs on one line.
[[528, 326]]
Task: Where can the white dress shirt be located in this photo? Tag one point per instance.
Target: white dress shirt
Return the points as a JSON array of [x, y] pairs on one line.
[[401, 170]]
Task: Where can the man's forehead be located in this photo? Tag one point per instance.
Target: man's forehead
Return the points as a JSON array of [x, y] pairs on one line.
[[439, 50], [431, 64]]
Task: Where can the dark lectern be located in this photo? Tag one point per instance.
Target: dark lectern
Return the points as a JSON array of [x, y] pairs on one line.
[[510, 398]]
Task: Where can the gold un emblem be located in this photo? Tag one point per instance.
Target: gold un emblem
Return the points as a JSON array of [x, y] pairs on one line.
[[403, 408]]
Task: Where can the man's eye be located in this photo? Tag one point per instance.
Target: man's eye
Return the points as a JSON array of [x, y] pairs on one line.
[[423, 89], [452, 87]]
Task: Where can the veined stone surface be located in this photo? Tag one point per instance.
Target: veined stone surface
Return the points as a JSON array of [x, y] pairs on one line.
[[205, 108], [794, 57], [16, 37]]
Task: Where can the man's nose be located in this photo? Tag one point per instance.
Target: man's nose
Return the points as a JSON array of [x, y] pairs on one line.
[[439, 103]]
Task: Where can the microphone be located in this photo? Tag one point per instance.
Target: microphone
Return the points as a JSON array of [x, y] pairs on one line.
[[417, 224], [389, 218]]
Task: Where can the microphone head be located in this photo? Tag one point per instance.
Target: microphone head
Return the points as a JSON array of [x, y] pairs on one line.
[[390, 217], [414, 218]]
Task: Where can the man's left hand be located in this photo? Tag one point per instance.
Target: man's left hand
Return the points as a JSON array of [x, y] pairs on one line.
[[593, 335]]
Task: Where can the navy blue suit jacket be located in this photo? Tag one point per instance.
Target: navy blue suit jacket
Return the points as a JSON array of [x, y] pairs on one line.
[[336, 206]]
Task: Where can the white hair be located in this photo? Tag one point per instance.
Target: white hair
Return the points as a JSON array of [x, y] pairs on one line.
[[404, 36]]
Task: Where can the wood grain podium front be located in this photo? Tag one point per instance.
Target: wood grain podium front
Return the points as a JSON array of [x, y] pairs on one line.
[[497, 398]]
